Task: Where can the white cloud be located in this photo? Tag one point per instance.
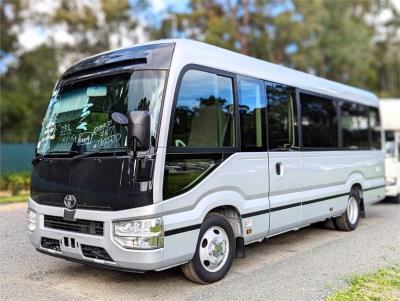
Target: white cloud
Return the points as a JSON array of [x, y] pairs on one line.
[[158, 5], [31, 37]]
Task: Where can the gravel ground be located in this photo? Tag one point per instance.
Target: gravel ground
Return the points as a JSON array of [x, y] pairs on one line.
[[303, 265]]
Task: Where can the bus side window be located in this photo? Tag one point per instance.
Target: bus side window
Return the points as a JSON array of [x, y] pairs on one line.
[[282, 118], [375, 128], [204, 114], [354, 123], [319, 122], [252, 114]]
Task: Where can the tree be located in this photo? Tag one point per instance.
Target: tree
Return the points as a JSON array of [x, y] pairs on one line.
[[25, 92], [332, 39], [26, 86]]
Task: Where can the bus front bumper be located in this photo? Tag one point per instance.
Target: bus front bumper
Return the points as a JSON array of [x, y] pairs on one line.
[[91, 249]]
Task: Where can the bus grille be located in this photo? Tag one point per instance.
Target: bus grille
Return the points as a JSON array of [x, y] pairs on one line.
[[95, 253], [80, 225]]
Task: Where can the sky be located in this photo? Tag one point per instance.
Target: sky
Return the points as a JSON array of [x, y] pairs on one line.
[[160, 5]]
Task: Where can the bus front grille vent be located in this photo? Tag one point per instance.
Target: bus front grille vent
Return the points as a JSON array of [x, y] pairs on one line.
[[79, 225]]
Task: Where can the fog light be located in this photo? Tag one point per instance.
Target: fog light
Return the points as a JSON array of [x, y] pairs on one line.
[[140, 234], [32, 220], [31, 227]]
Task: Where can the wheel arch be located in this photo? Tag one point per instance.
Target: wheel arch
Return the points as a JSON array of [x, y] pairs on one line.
[[231, 213]]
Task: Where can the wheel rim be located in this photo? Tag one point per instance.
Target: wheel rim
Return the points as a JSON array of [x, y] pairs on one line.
[[214, 249], [352, 210]]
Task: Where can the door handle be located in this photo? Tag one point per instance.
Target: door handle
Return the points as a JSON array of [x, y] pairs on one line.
[[279, 168]]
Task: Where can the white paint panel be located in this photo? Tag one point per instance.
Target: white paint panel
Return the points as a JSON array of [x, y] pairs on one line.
[[284, 191]]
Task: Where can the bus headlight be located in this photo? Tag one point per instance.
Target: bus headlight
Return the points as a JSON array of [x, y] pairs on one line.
[[140, 234], [32, 220]]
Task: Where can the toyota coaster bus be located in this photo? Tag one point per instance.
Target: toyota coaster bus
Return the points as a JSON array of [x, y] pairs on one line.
[[176, 152]]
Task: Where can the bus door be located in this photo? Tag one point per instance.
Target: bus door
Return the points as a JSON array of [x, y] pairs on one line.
[[252, 109], [284, 158]]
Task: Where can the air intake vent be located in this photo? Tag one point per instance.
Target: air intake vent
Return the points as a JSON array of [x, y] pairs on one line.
[[95, 253], [80, 225], [50, 243]]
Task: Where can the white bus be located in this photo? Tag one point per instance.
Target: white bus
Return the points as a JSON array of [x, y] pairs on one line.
[[390, 109], [176, 152]]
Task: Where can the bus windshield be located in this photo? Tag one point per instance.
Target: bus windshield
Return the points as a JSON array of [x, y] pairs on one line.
[[78, 118]]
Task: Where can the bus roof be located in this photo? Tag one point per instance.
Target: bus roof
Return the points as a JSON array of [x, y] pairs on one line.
[[192, 52], [390, 112]]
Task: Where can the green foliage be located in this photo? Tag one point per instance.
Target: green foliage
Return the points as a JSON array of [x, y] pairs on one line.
[[14, 199], [338, 40], [383, 285], [15, 182], [25, 92]]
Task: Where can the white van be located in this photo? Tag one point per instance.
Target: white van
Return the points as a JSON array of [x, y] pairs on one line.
[[390, 109], [176, 152]]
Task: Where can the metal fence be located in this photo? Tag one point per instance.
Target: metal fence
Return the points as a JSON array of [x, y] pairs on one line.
[[16, 157]]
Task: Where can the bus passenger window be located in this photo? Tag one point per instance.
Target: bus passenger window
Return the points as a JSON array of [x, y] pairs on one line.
[[375, 128], [354, 122], [204, 115], [319, 122], [282, 118], [252, 115]]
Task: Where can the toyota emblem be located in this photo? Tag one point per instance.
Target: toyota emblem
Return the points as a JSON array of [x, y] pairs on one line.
[[70, 201]]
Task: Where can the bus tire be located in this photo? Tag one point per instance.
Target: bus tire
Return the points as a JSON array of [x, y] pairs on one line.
[[215, 251], [348, 221], [329, 224]]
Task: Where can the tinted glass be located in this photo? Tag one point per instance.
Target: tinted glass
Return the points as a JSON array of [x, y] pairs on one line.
[[204, 114], [375, 128], [354, 123], [252, 115], [282, 118], [183, 172], [319, 122]]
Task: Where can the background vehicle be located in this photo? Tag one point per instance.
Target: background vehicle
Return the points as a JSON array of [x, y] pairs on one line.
[[390, 110], [179, 153]]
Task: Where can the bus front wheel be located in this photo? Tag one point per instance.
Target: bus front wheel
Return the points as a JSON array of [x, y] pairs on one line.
[[215, 251]]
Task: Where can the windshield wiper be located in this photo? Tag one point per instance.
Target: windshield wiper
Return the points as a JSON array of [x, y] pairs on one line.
[[39, 158], [36, 159], [88, 154]]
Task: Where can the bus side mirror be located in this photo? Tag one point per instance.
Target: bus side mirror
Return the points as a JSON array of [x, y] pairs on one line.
[[138, 130]]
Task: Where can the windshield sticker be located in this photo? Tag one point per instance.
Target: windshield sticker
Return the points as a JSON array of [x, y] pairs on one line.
[[84, 138], [65, 129], [101, 136], [106, 133], [85, 113]]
